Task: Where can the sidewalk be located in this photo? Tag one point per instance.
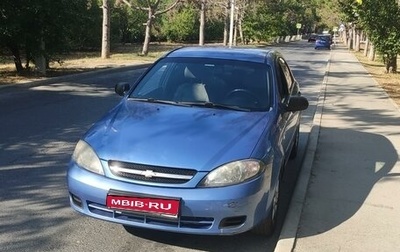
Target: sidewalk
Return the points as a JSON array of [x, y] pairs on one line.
[[348, 193]]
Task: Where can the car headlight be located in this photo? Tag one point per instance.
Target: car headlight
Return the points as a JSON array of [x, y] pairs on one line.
[[86, 158], [233, 173]]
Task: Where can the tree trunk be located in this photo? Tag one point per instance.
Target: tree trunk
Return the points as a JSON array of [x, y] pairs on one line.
[[226, 24], [40, 60], [241, 30], [391, 64], [28, 57], [152, 11], [231, 22], [350, 39], [344, 37], [147, 36], [105, 43], [16, 56], [235, 31], [366, 45], [371, 55], [202, 22], [357, 39]]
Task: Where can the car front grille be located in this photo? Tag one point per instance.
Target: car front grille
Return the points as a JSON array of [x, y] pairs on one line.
[[148, 173], [180, 222]]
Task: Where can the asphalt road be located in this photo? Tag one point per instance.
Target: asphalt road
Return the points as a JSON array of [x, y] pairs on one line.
[[40, 125]]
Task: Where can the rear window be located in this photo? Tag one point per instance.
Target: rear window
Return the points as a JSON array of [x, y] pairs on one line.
[[325, 38]]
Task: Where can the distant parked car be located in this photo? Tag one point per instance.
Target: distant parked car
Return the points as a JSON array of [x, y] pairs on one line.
[[197, 145], [312, 37], [323, 41]]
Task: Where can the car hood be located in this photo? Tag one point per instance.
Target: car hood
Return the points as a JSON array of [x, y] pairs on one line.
[[175, 136]]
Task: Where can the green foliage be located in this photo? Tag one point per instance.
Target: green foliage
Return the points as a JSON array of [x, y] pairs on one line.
[[11, 21], [272, 18], [182, 25], [61, 25], [348, 10], [380, 19], [263, 22], [214, 30], [83, 30], [127, 25], [329, 13]]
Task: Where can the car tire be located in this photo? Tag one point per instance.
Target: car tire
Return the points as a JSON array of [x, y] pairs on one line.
[[268, 225], [295, 148]]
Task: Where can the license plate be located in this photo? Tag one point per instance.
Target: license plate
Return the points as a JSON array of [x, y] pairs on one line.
[[159, 206]]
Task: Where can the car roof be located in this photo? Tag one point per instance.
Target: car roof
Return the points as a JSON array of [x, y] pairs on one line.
[[256, 55]]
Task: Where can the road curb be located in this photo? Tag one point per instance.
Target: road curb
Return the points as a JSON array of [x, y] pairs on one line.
[[287, 237]]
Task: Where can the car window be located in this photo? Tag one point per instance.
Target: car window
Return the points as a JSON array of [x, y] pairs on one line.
[[228, 82], [324, 38], [286, 78], [152, 82]]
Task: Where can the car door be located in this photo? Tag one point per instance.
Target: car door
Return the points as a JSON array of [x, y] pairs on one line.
[[287, 120]]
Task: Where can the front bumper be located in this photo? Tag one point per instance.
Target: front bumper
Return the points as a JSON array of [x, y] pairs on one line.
[[210, 211]]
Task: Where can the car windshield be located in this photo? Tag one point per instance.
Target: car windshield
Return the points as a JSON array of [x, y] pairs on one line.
[[212, 83]]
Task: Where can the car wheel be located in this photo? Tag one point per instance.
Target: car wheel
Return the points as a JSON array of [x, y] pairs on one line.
[[295, 148], [267, 226]]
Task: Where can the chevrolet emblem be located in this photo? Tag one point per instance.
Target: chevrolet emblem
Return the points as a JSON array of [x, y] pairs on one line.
[[148, 173]]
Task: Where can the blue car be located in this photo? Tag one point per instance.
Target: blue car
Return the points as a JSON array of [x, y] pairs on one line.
[[198, 145], [323, 41]]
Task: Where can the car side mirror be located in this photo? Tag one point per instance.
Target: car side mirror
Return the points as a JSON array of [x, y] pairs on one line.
[[121, 88], [297, 103]]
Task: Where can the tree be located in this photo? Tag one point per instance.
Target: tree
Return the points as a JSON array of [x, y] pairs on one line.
[[208, 12], [203, 4], [381, 20], [127, 24], [181, 24], [186, 24], [153, 9], [43, 28], [12, 28], [265, 20], [105, 44]]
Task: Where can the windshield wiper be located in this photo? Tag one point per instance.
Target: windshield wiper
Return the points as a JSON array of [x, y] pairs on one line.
[[215, 105], [152, 100], [187, 104]]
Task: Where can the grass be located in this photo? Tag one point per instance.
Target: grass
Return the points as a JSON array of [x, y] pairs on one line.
[[390, 82], [82, 62]]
